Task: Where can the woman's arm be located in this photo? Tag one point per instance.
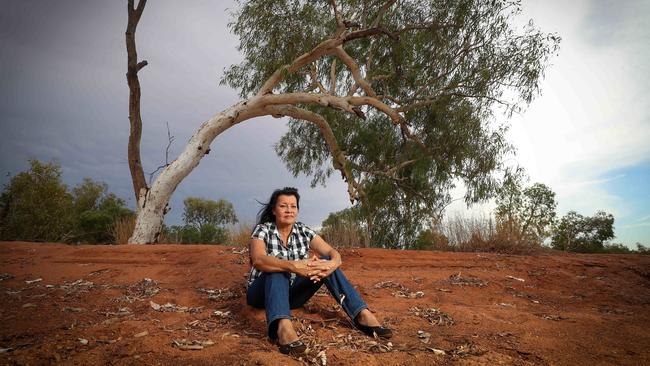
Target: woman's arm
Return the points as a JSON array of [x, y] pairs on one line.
[[267, 263], [324, 267], [321, 247]]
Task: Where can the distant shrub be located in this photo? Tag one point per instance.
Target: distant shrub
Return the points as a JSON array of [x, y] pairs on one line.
[[475, 234], [35, 205], [240, 236], [345, 229], [123, 229], [616, 249], [642, 249], [189, 234]]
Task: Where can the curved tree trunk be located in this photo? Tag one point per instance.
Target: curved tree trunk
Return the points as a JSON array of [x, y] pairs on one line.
[[153, 202]]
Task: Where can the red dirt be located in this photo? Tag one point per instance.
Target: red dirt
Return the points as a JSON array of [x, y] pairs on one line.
[[568, 310]]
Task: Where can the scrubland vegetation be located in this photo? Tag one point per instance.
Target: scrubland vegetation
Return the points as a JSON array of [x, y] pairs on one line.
[[36, 206]]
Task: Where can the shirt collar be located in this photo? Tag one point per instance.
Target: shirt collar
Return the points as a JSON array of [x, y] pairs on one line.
[[294, 230]]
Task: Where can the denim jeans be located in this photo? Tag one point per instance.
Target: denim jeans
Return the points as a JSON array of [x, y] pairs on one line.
[[274, 292]]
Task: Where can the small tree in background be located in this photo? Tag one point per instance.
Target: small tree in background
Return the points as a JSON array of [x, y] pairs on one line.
[[96, 211], [524, 215], [577, 233], [205, 220], [37, 205], [345, 228]]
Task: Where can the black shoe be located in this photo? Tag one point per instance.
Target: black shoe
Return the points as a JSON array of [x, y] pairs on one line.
[[295, 348], [375, 332]]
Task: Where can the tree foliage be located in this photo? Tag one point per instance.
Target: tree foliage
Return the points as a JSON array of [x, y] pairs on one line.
[[577, 233], [525, 213], [442, 66], [204, 221], [345, 228], [37, 206], [95, 212]]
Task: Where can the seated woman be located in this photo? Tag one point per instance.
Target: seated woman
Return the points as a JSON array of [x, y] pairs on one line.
[[283, 277]]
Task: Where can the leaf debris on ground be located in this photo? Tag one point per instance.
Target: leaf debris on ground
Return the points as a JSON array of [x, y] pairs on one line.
[[169, 307], [433, 316], [191, 345], [458, 280]]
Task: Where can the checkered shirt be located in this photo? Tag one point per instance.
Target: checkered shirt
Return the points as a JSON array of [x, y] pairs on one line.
[[296, 249]]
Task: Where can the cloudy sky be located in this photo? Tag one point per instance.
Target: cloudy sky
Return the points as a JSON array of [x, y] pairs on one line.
[[64, 97]]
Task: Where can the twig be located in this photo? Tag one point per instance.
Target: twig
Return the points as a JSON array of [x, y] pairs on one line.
[[170, 138]]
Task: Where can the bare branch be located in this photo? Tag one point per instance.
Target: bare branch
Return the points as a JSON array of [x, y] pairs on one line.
[[170, 139]]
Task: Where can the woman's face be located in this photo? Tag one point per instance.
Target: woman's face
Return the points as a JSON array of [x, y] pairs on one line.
[[285, 210]]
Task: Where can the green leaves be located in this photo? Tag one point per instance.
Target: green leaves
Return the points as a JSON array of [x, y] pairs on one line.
[[37, 206], [577, 233], [446, 66], [199, 212]]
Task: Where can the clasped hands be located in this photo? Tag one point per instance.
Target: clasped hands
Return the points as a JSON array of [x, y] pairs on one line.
[[315, 268]]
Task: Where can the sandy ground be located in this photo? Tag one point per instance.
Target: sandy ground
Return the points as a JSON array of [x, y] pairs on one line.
[[185, 305]]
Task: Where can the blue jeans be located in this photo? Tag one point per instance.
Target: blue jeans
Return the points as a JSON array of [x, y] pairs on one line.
[[272, 291]]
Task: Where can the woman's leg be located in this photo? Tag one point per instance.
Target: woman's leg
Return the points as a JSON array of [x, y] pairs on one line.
[[344, 293], [271, 292], [302, 290]]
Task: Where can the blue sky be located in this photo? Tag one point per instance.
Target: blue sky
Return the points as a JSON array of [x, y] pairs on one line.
[[64, 97]]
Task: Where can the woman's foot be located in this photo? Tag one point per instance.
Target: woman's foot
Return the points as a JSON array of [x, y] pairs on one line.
[[366, 322], [365, 317], [288, 341]]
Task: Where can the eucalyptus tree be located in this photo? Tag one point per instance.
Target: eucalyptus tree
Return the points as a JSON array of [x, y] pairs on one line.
[[396, 95]]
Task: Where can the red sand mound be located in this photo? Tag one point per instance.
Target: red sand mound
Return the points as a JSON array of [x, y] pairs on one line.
[[185, 304]]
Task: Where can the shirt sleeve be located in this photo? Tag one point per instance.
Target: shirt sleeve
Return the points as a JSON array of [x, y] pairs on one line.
[[260, 232], [309, 233]]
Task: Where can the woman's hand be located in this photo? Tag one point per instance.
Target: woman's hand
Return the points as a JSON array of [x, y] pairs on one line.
[[305, 268], [323, 268]]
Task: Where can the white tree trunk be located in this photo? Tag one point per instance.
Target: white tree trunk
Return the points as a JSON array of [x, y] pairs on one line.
[[152, 204]]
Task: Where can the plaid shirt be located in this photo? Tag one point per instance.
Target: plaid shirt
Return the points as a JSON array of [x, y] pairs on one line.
[[296, 249]]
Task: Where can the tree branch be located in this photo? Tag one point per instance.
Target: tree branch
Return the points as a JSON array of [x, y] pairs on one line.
[[333, 77], [339, 160], [382, 11], [356, 73], [340, 25]]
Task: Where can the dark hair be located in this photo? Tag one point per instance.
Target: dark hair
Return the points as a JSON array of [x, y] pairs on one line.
[[266, 212]]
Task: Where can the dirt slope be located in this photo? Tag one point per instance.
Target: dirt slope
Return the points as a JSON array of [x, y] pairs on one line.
[[94, 306]]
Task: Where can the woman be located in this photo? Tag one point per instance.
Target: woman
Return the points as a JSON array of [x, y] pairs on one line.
[[283, 277]]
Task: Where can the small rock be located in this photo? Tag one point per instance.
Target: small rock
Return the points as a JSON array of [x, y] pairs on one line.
[[141, 334], [516, 278], [72, 310], [437, 351], [83, 341]]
